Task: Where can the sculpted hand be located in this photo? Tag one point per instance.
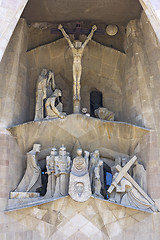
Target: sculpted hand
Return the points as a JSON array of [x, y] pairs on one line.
[[94, 28], [60, 27]]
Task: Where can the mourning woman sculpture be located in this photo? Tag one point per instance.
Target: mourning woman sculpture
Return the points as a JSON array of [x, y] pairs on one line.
[[32, 177], [44, 89]]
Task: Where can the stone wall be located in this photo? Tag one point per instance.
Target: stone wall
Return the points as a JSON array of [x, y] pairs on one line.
[[141, 103], [13, 79], [10, 12], [101, 69], [65, 219]]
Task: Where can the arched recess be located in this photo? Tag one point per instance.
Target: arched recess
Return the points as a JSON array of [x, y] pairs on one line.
[[12, 10]]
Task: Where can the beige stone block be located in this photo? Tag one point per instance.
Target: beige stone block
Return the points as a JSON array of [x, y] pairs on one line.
[[30, 222], [58, 236], [119, 213], [45, 229], [97, 221], [78, 236], [107, 71], [68, 229], [99, 236], [78, 221], [127, 222], [36, 212], [89, 229], [53, 218], [114, 229], [90, 211]]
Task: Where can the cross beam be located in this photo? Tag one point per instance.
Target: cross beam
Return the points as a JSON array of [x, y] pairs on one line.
[[122, 173], [78, 31]]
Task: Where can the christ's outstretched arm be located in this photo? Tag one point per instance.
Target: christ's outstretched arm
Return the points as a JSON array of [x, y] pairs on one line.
[[60, 27], [94, 28]]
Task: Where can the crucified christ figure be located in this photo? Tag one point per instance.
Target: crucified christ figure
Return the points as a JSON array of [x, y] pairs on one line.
[[77, 51]]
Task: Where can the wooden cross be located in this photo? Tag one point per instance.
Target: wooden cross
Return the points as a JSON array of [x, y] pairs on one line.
[[123, 173], [78, 31]]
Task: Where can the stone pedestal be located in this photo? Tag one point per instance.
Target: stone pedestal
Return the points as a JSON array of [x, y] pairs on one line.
[[76, 106]]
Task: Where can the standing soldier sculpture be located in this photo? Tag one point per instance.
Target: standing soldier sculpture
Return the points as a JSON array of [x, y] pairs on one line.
[[77, 51]]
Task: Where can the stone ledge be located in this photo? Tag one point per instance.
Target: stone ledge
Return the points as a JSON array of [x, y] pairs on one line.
[[39, 201]]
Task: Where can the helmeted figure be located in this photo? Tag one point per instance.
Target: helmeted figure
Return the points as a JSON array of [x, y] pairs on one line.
[[50, 166], [62, 170]]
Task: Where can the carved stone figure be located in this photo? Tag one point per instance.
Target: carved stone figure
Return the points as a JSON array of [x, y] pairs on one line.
[[140, 175], [50, 166], [79, 184], [62, 170], [53, 106], [94, 173], [128, 192], [117, 162], [32, 177], [104, 114], [97, 179], [44, 89], [77, 51]]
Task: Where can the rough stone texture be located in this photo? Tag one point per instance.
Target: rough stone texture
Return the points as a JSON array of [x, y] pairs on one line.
[[10, 155], [152, 10], [141, 99], [100, 65], [67, 219], [73, 10], [10, 12], [13, 79], [23, 195]]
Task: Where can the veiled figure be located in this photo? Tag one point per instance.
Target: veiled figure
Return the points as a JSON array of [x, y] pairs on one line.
[[44, 89], [31, 180]]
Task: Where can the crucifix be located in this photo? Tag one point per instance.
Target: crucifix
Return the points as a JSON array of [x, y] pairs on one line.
[[77, 50]]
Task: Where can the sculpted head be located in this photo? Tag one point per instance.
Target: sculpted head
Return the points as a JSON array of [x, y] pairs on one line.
[[62, 151], [44, 72], [57, 93], [77, 44], [36, 147], [96, 153], [79, 151], [54, 151], [124, 161]]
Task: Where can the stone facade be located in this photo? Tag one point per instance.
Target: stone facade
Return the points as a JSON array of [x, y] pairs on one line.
[[141, 99], [129, 83]]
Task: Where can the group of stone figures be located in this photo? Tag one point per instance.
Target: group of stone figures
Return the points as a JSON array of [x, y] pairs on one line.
[[49, 104], [82, 177], [129, 184], [48, 97]]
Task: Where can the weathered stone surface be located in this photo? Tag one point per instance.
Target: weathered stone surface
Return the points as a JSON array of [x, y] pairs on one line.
[[23, 195], [79, 182]]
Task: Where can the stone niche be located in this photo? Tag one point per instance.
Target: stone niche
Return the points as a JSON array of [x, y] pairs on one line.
[[112, 139], [102, 69]]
